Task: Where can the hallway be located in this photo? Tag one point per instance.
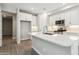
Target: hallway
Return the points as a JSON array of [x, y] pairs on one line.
[[10, 47]]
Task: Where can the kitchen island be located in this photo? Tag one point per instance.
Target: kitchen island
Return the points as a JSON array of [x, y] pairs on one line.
[[55, 44]]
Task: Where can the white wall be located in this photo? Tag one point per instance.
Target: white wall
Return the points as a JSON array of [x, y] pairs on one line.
[[0, 29]]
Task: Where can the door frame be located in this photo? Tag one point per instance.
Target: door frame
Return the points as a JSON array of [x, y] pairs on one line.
[[11, 18], [13, 15], [0, 28]]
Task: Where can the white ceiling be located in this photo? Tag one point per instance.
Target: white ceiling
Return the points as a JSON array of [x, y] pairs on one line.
[[35, 7]]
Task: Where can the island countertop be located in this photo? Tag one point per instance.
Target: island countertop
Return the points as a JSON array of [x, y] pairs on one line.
[[60, 39]]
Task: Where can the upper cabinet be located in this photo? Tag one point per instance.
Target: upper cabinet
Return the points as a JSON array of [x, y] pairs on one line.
[[71, 17], [25, 16], [56, 17], [28, 17], [34, 20], [67, 18], [53, 18], [74, 17]]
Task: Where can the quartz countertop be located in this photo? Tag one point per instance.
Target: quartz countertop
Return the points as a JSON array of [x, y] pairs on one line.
[[64, 39]]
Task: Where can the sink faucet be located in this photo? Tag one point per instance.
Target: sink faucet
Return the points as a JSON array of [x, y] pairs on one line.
[[45, 29]]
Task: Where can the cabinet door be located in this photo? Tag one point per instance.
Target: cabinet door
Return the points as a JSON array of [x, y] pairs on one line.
[[56, 17], [62, 15], [67, 18], [28, 17], [25, 16], [22, 16], [34, 21], [74, 17], [53, 19]]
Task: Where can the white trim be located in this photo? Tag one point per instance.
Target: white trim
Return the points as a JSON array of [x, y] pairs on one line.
[[0, 29], [18, 26]]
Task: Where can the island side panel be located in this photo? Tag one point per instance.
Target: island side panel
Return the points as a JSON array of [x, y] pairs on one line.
[[44, 47]]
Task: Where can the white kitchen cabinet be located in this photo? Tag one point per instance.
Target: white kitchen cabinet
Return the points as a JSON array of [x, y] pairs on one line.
[[25, 16], [62, 16], [74, 17], [28, 17], [67, 18], [71, 17], [52, 20], [34, 20], [56, 17]]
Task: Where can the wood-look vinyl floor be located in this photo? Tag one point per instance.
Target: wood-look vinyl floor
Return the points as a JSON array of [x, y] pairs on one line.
[[10, 47]]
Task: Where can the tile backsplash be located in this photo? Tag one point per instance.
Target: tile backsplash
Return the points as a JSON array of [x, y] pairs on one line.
[[72, 28]]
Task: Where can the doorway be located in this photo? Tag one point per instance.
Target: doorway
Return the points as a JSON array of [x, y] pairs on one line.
[[6, 29], [7, 26], [9, 41], [7, 35]]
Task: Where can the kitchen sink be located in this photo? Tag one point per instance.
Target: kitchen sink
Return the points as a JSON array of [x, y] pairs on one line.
[[49, 33]]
